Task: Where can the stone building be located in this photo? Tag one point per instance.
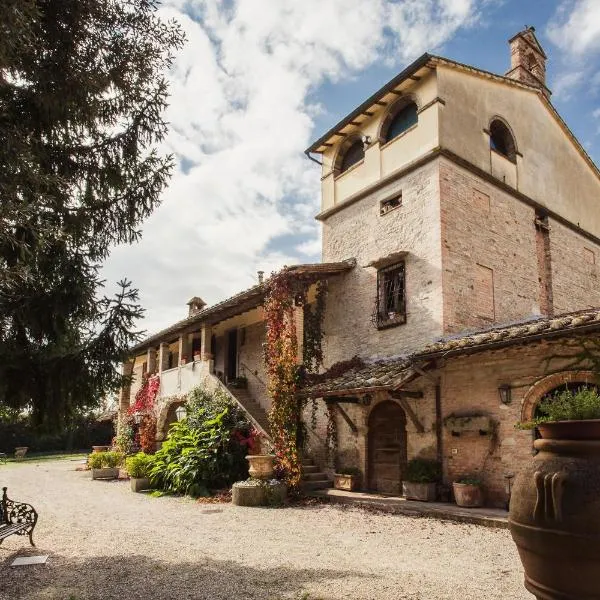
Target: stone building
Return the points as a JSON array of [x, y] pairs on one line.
[[461, 235]]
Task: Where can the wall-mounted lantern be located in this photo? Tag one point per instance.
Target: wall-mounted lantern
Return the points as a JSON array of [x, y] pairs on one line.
[[181, 413], [505, 392]]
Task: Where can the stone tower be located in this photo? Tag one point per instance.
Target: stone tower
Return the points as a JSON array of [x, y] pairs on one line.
[[528, 60]]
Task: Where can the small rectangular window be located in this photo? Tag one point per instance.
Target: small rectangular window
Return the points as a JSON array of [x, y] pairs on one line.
[[391, 296], [385, 206]]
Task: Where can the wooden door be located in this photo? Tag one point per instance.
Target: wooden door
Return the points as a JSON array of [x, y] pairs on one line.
[[387, 448], [231, 354]]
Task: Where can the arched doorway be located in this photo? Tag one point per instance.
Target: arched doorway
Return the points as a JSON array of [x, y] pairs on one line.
[[387, 447]]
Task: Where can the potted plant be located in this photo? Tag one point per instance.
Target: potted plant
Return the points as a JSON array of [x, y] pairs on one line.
[[183, 360], [105, 465], [240, 382], [197, 356], [420, 479], [138, 468], [468, 492], [347, 478], [553, 516]]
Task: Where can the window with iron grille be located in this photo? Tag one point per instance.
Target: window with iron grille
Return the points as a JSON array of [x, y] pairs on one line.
[[391, 296]]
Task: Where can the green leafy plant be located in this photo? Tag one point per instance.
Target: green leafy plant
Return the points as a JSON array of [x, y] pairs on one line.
[[202, 452], [105, 460], [353, 471], [470, 480], [422, 470], [567, 405], [139, 465]]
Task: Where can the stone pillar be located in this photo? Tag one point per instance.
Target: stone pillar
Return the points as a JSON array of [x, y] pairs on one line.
[[125, 393], [151, 361], [163, 357], [182, 347], [299, 319], [205, 335]]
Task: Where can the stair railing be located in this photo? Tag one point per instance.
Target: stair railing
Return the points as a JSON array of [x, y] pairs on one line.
[[219, 384], [246, 369]]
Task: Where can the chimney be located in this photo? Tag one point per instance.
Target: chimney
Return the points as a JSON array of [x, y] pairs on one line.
[[261, 277], [528, 60], [196, 304]]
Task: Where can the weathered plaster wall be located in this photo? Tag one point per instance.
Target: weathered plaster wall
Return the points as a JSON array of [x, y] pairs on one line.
[[383, 159], [359, 231], [551, 170], [482, 226]]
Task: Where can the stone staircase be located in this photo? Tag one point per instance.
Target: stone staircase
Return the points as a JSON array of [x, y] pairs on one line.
[[312, 478], [255, 411]]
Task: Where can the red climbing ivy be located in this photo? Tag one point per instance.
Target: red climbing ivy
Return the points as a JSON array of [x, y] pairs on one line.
[[144, 404], [281, 361]]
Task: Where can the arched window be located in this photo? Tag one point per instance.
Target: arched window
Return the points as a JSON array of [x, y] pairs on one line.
[[354, 154], [502, 141], [404, 119]]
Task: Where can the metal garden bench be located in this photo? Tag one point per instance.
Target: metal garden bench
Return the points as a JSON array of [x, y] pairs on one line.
[[16, 518]]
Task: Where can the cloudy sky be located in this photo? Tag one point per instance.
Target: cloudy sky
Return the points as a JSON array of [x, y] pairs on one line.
[[258, 80]]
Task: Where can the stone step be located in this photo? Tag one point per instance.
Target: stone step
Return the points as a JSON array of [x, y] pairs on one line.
[[307, 462], [314, 476], [306, 469], [320, 484]]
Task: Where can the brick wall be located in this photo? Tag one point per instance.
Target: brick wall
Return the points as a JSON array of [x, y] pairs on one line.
[[470, 384], [359, 231], [487, 237], [575, 269]]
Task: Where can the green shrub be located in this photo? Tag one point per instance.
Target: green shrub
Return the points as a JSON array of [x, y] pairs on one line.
[[105, 460], [202, 453], [422, 470], [470, 480], [584, 403], [139, 465], [95, 460], [349, 471]]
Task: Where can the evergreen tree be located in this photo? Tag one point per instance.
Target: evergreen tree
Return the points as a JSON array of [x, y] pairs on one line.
[[82, 96]]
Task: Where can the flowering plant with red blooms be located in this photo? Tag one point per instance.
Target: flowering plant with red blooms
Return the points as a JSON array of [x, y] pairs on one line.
[[145, 406]]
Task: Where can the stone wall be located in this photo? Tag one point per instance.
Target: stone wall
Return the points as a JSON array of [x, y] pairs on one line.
[[575, 269], [488, 252], [252, 364], [470, 385], [359, 231]]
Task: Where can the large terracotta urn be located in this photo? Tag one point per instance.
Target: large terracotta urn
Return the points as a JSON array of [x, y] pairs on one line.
[[261, 465], [555, 513]]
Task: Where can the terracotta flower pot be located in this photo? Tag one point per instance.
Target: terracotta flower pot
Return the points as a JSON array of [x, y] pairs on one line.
[[349, 483], [468, 495], [261, 465], [555, 513]]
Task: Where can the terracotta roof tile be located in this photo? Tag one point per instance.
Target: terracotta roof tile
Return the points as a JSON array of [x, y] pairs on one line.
[[393, 372]]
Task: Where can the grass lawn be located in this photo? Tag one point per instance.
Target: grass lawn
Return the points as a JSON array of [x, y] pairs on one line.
[[42, 456]]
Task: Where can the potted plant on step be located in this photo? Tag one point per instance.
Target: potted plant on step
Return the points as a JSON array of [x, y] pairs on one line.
[[240, 382], [138, 468], [420, 480], [554, 516], [468, 492], [105, 465], [348, 479]]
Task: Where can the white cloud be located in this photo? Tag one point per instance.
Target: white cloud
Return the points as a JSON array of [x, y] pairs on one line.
[[240, 120], [575, 27], [565, 84]]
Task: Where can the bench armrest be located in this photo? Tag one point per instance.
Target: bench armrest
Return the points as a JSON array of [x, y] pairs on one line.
[[18, 512]]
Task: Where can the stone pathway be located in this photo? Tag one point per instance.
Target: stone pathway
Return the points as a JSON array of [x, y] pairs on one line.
[[106, 543]]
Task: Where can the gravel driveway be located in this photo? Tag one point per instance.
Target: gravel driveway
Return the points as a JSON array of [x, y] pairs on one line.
[[106, 543]]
